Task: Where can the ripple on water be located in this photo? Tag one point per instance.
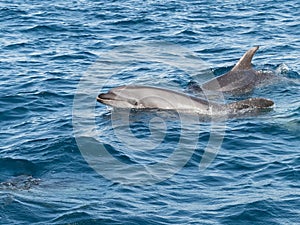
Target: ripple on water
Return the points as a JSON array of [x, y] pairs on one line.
[[46, 48]]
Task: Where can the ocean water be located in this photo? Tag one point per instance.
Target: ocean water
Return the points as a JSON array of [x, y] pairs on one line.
[[66, 159]]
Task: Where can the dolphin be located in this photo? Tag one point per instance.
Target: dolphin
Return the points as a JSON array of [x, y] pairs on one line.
[[242, 78], [146, 97]]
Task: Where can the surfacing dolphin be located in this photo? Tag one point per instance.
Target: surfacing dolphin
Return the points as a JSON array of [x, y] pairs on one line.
[[145, 97], [242, 78]]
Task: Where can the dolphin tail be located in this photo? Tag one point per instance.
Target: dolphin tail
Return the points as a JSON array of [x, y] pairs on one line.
[[251, 103], [245, 62]]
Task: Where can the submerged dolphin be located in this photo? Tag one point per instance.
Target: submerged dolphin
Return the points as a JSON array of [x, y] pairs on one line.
[[145, 97], [242, 78]]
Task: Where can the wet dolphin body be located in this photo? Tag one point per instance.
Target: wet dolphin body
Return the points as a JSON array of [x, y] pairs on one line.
[[242, 78], [145, 97]]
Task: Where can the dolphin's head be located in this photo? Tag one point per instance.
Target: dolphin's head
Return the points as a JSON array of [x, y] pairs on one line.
[[252, 103], [119, 98]]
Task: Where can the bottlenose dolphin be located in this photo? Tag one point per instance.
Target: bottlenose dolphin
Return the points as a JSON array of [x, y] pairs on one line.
[[145, 97], [242, 78]]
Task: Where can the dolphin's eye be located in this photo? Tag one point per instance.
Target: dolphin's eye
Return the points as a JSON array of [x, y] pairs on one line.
[[133, 102]]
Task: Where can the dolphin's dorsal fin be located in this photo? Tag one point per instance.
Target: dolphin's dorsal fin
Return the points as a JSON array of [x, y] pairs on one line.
[[245, 62]]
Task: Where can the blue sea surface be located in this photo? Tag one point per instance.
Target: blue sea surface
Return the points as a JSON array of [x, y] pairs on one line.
[[48, 49]]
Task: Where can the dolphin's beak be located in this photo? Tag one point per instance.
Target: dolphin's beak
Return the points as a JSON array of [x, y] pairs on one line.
[[108, 96], [100, 97], [113, 100]]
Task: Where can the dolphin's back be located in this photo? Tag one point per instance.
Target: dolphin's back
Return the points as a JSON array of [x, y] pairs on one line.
[[242, 78], [154, 97], [234, 82]]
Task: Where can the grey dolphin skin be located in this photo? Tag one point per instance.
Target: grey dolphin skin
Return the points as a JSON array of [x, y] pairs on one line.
[[242, 78], [145, 97]]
